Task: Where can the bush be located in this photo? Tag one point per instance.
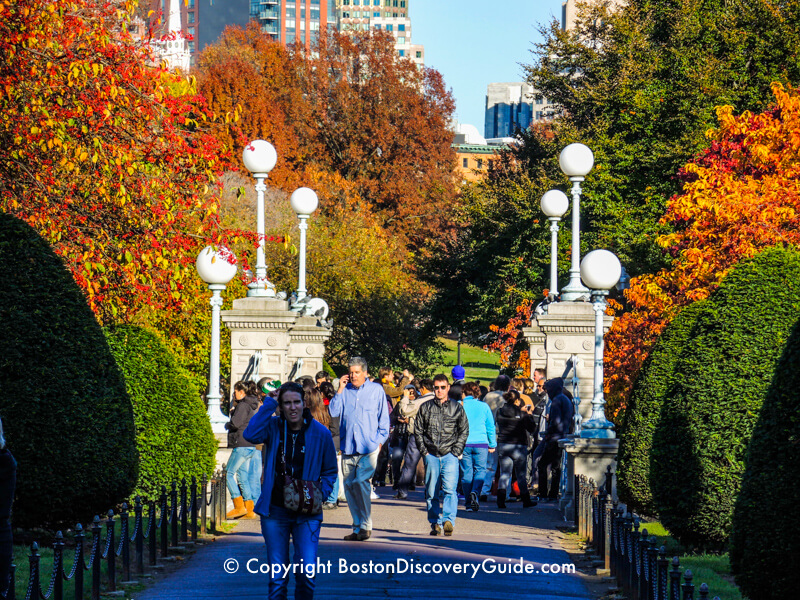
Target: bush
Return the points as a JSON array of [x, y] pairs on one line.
[[765, 548], [644, 409], [173, 432], [709, 413], [66, 415]]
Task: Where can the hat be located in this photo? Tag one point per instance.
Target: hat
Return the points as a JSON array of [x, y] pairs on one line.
[[411, 386], [458, 372], [270, 386]]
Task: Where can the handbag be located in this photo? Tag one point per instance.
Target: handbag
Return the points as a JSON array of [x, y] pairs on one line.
[[304, 497]]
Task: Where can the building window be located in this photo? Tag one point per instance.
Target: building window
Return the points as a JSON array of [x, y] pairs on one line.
[[401, 27], [345, 2], [402, 53], [389, 27], [394, 3], [419, 54], [190, 31], [377, 15], [402, 3], [345, 15], [465, 163], [190, 17], [394, 15], [480, 163], [387, 15], [191, 4], [401, 41], [539, 99], [538, 115], [356, 2], [378, 27]]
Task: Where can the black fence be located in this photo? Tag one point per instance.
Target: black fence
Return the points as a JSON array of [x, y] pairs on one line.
[[174, 521], [641, 569]]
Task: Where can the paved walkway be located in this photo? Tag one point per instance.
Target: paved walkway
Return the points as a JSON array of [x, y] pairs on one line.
[[489, 537]]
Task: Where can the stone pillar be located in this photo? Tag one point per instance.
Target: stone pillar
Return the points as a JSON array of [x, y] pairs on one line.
[[568, 328], [536, 346], [282, 336]]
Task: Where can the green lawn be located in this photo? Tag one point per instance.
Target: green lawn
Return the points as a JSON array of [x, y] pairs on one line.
[[712, 569], [478, 364]]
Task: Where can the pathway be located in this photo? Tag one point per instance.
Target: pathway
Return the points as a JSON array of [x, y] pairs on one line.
[[492, 538]]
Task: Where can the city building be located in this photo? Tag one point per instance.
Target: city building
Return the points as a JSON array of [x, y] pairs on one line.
[[393, 16], [164, 25], [474, 154], [513, 106], [569, 12], [288, 21]]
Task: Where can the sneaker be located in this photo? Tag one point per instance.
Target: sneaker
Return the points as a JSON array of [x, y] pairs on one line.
[[374, 496], [473, 502], [351, 537], [484, 498], [448, 528], [328, 505], [363, 534], [400, 496], [436, 529]]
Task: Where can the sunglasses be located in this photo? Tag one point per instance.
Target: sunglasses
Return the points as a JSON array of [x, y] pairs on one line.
[[440, 387]]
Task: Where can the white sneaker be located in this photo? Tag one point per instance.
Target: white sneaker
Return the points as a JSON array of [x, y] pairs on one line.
[[374, 496]]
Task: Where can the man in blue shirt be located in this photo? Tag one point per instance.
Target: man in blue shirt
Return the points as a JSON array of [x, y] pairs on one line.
[[363, 428]]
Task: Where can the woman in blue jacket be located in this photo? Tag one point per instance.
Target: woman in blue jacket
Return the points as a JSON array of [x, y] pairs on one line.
[[308, 454]]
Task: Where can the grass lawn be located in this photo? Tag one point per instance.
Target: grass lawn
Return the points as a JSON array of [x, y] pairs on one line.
[[478, 364], [712, 569]]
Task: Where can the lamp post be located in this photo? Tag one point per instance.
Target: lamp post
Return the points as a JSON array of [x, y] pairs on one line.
[[259, 157], [554, 205], [304, 202], [576, 160], [601, 271], [216, 268]]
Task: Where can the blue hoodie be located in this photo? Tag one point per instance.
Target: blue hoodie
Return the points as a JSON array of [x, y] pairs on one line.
[[320, 457], [481, 423]]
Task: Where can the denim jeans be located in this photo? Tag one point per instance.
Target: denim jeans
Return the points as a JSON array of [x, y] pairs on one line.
[[410, 459], [488, 478], [396, 453], [512, 456], [239, 468], [334, 495], [304, 530], [441, 475], [357, 469], [255, 476], [473, 468]]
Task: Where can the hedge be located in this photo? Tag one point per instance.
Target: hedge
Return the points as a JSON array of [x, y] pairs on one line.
[[67, 417], [708, 416], [173, 432], [644, 409], [765, 547]]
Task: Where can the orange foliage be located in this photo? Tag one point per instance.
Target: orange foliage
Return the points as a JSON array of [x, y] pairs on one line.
[[740, 196], [509, 342]]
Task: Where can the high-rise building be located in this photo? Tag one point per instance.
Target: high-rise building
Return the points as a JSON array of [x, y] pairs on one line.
[[512, 106], [393, 16], [294, 20]]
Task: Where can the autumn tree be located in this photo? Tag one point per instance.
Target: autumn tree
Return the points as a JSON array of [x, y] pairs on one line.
[[740, 196], [105, 155]]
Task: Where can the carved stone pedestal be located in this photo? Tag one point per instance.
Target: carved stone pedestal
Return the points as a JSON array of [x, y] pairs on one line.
[[590, 457], [283, 338]]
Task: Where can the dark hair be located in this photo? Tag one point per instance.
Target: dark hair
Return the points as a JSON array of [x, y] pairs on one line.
[[326, 387], [426, 383], [250, 388], [321, 375], [471, 389], [308, 384], [484, 391], [502, 383], [441, 377], [454, 393], [240, 386], [291, 386], [512, 396], [317, 407]]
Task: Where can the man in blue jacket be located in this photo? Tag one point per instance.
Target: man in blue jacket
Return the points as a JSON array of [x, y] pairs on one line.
[[363, 429]]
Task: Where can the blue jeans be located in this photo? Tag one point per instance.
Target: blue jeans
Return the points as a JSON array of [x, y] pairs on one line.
[[255, 476], [334, 495], [239, 468], [410, 459], [441, 475], [304, 530], [488, 477], [473, 467], [396, 453], [512, 456]]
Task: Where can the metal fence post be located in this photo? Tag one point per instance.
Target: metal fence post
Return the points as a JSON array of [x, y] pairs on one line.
[[58, 567], [96, 557], [675, 579], [80, 562], [110, 554], [125, 541], [184, 512], [688, 586], [164, 522], [194, 508]]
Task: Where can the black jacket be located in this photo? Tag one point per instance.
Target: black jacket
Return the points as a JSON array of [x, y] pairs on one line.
[[513, 425], [441, 428], [240, 417]]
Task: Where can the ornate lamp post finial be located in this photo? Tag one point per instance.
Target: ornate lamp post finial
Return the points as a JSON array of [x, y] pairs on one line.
[[576, 160], [259, 157], [554, 205], [304, 202]]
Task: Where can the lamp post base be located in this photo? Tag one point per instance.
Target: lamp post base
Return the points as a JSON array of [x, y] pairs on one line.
[[261, 288], [575, 291]]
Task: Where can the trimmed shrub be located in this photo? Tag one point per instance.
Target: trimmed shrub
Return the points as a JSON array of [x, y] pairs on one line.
[[765, 547], [709, 413], [173, 432], [66, 414], [644, 410]]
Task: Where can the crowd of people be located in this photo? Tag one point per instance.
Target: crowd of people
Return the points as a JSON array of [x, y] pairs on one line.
[[303, 447]]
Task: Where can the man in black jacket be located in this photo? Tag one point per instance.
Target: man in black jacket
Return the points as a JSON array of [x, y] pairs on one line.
[[441, 430], [559, 425]]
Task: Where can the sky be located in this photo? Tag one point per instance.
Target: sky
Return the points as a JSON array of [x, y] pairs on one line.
[[473, 43]]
